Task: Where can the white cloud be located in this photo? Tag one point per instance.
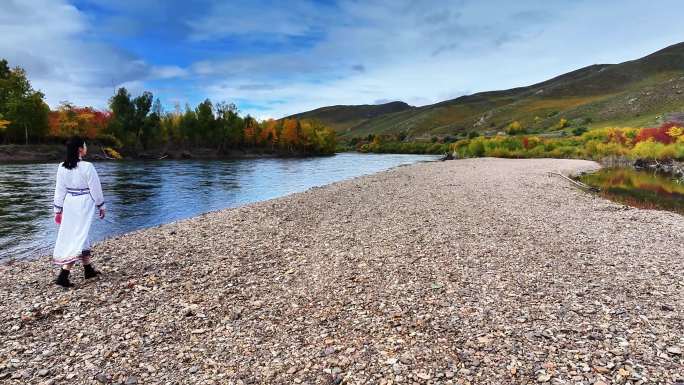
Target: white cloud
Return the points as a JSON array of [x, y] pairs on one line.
[[279, 58], [256, 19], [168, 72], [51, 39], [425, 52]]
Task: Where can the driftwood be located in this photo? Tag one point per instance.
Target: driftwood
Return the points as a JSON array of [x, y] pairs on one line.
[[576, 183], [105, 154]]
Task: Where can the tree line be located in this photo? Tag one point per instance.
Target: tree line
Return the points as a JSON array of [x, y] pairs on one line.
[[139, 123]]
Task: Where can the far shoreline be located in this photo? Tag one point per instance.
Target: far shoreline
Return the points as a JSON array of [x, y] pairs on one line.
[[47, 153]]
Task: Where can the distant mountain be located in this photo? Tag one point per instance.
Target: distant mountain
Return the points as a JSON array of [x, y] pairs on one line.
[[637, 92], [345, 118]]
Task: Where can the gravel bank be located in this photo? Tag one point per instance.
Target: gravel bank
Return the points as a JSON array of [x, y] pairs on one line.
[[478, 271]]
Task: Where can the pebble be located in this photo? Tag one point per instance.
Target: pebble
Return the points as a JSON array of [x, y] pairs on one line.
[[676, 350], [424, 376]]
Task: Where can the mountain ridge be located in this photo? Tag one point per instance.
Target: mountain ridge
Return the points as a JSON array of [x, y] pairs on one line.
[[633, 92]]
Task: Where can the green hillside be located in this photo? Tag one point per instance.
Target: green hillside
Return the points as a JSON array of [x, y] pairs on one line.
[[345, 118], [637, 92]]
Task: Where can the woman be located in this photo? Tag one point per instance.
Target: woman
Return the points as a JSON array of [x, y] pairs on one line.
[[77, 194]]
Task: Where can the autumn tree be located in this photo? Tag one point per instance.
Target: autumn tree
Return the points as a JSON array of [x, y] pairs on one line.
[[290, 134], [269, 135]]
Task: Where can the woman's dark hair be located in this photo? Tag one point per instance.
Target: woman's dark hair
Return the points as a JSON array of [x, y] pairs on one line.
[[72, 158]]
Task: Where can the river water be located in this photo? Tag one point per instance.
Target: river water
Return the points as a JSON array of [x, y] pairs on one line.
[[643, 189], [145, 194]]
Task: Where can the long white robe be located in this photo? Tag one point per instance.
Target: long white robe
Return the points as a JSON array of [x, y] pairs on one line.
[[77, 193]]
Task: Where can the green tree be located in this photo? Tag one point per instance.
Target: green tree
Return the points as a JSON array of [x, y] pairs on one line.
[[206, 124], [230, 125], [123, 114], [21, 106], [188, 125], [142, 126]]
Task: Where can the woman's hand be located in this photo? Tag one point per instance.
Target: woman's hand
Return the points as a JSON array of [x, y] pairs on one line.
[[58, 218], [102, 213]]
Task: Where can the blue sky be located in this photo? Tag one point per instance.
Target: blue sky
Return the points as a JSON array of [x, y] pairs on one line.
[[274, 58]]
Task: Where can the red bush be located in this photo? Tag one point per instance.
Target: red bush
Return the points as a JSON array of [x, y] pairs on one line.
[[658, 134], [617, 136]]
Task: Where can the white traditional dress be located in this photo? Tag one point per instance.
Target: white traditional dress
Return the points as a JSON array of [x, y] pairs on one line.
[[77, 193]]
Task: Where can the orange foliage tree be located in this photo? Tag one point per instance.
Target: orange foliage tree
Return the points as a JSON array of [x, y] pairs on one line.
[[70, 120], [290, 134], [268, 136]]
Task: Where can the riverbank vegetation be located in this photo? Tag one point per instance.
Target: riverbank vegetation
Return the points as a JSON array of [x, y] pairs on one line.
[[665, 142], [136, 125]]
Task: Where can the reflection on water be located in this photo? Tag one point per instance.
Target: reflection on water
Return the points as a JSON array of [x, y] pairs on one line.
[[145, 194], [638, 188]]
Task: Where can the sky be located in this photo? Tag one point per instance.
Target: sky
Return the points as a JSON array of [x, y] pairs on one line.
[[275, 58]]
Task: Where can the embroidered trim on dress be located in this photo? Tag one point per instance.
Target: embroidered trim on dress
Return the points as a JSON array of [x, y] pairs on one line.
[[66, 261]]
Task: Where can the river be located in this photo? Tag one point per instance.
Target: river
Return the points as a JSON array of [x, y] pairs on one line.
[[145, 194]]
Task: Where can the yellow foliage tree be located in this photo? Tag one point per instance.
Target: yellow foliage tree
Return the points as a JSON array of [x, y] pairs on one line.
[[514, 128]]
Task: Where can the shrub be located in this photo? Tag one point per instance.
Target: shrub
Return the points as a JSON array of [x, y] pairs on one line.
[[529, 142], [659, 134], [679, 149], [515, 128], [476, 147], [579, 131], [675, 131], [648, 149]]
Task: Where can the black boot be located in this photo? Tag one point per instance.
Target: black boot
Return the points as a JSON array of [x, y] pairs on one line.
[[89, 272], [63, 279]]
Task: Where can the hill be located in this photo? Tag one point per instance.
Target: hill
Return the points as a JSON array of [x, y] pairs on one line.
[[345, 118], [637, 92]]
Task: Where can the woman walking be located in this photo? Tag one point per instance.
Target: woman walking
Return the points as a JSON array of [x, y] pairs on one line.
[[77, 193]]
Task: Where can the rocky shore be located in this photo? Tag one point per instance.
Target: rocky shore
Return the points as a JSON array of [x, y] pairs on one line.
[[479, 271]]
